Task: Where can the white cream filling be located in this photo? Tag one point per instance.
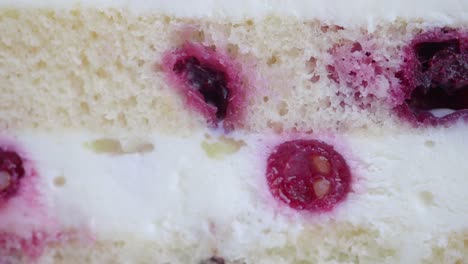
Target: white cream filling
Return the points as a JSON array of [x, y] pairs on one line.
[[441, 112], [409, 186], [343, 12]]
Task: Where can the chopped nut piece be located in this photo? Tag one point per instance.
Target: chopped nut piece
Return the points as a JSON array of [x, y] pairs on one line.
[[59, 181], [137, 147], [114, 146], [106, 145], [224, 146]]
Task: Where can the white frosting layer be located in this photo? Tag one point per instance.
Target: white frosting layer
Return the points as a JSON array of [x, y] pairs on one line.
[[338, 11], [410, 187]]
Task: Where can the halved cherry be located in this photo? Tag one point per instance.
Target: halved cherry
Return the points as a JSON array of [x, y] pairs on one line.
[[308, 175]]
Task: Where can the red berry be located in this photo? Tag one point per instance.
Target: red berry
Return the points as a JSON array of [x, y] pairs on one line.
[[11, 173], [308, 175], [435, 76], [209, 81]]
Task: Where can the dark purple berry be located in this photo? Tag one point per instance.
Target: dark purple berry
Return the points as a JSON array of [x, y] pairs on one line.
[[210, 82], [435, 76]]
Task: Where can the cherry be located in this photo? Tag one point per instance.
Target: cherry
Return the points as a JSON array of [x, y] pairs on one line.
[[209, 81], [11, 172], [308, 175], [434, 76]]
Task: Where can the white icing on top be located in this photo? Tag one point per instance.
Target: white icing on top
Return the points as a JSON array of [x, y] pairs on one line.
[[337, 11], [409, 186]]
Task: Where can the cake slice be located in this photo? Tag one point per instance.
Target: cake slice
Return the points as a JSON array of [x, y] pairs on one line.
[[233, 132]]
